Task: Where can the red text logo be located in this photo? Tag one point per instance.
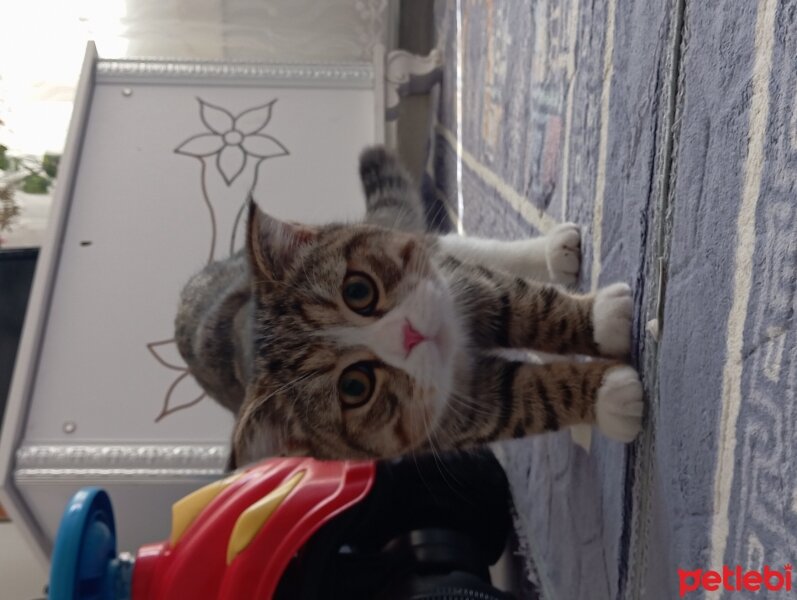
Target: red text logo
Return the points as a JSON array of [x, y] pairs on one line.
[[734, 580]]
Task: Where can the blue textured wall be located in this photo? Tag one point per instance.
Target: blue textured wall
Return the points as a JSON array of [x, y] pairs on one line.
[[667, 130]]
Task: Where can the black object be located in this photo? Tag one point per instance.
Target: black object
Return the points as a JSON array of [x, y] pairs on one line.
[[429, 530], [16, 275]]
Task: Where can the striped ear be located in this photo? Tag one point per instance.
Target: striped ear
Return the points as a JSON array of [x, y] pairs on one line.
[[272, 244]]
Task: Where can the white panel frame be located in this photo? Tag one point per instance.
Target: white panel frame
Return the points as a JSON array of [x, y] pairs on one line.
[[36, 315]]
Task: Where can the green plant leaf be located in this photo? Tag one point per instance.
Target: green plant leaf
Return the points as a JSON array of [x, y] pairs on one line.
[[50, 164], [35, 184]]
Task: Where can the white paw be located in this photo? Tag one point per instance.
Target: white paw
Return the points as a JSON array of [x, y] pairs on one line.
[[618, 408], [563, 253], [612, 312]]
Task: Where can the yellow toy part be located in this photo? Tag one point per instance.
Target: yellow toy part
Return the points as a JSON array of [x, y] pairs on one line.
[[186, 509], [253, 518]]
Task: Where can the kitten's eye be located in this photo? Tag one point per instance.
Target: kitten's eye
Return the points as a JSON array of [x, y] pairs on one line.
[[359, 293], [356, 385]]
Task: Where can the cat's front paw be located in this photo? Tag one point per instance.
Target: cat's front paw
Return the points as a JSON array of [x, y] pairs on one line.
[[619, 407], [612, 312], [563, 253]]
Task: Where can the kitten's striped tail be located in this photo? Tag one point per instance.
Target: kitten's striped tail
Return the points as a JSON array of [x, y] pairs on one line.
[[391, 197]]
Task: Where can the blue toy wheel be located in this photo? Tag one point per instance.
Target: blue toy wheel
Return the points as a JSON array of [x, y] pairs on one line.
[[84, 556]]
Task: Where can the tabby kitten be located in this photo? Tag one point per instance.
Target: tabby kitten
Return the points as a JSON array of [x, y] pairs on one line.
[[373, 342], [369, 341]]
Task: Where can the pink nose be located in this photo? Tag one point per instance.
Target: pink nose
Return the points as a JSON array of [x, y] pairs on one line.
[[411, 337]]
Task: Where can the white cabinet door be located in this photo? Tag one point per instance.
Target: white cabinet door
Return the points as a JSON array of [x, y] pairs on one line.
[[160, 161]]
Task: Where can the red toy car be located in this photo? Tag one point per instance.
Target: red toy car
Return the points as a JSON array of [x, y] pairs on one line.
[[302, 529]]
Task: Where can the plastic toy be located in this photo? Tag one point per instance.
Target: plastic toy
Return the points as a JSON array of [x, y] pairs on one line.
[[302, 529]]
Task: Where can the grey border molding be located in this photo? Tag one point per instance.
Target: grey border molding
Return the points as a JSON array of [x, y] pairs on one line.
[[56, 461], [53, 476], [352, 75]]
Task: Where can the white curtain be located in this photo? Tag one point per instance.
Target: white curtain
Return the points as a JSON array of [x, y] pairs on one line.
[[276, 30]]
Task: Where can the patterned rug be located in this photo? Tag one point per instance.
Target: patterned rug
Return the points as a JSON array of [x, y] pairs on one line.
[[668, 131]]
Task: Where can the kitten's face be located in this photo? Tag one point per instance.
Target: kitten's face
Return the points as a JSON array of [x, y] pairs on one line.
[[355, 342]]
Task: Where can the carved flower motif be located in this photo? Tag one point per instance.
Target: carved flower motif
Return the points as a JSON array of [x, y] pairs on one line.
[[232, 139], [184, 392]]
